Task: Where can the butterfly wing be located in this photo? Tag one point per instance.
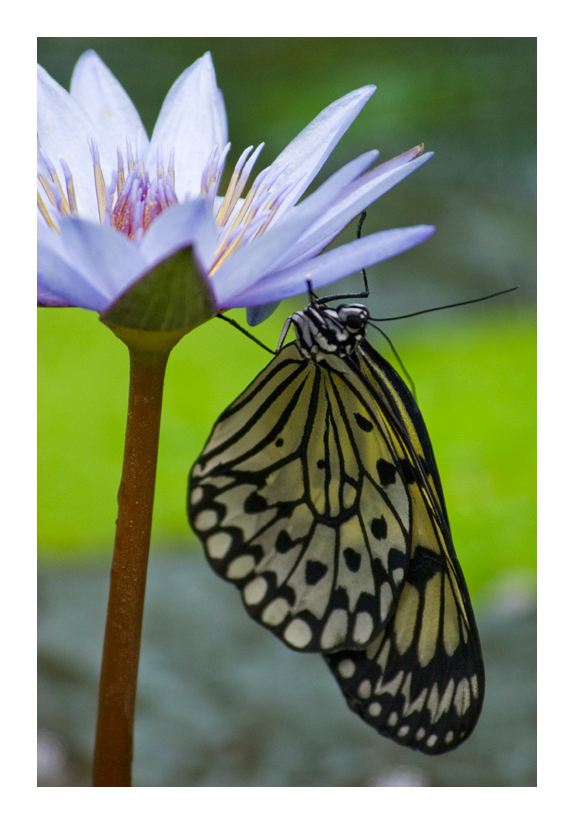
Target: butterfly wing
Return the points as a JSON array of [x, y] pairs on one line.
[[298, 501], [421, 682]]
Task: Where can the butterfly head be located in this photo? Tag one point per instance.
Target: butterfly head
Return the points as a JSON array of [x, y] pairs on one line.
[[322, 331]]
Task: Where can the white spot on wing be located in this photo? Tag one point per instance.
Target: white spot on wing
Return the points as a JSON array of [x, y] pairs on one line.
[[255, 590], [385, 599], [197, 495], [364, 690], [474, 687], [363, 628], [436, 706], [276, 612], [462, 699], [335, 631], [374, 709], [346, 668], [298, 633], [205, 520], [390, 687], [240, 567], [218, 545]]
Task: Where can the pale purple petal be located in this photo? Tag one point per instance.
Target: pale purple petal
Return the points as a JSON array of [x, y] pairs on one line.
[[187, 224], [258, 258], [307, 153], [45, 298], [56, 277], [255, 315], [104, 257], [96, 89], [333, 265], [63, 129], [356, 197], [192, 121]]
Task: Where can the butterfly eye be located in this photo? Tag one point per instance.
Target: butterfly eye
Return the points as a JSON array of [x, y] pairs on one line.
[[352, 317]]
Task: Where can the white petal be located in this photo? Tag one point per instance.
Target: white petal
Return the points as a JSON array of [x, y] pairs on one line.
[[189, 223], [105, 257], [192, 121], [308, 151], [96, 89], [259, 257], [333, 265]]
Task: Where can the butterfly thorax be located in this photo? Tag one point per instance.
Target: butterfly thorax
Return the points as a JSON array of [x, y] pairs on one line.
[[322, 331]]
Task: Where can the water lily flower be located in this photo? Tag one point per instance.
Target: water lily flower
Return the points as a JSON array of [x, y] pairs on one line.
[[137, 230]]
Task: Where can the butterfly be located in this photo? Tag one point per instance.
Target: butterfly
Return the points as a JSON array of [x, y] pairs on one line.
[[317, 494]]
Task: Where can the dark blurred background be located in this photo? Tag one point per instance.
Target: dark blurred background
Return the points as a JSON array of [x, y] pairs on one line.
[[220, 703]]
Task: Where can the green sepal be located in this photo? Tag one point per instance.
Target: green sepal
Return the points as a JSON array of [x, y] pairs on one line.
[[172, 296]]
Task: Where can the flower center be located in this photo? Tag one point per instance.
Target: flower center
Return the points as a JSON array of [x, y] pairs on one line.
[[131, 200]]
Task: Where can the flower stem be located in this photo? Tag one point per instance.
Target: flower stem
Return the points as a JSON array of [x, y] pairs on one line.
[[119, 673]]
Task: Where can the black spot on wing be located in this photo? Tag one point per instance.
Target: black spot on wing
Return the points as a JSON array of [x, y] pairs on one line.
[[386, 471], [285, 509], [365, 424], [314, 572], [378, 528], [424, 565], [395, 558], [284, 542], [255, 503], [407, 471], [352, 559]]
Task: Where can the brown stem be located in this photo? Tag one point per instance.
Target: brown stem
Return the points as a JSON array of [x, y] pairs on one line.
[[118, 678]]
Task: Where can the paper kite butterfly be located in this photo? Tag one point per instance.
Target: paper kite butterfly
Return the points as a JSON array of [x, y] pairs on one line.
[[318, 496]]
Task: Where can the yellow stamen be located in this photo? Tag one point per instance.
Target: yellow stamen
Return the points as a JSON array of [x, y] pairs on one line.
[[56, 180], [100, 191], [71, 196], [121, 178], [230, 200], [227, 251], [273, 209], [245, 206], [47, 189], [45, 215]]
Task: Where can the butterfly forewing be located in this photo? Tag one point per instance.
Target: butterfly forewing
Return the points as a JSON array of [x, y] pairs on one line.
[[298, 501]]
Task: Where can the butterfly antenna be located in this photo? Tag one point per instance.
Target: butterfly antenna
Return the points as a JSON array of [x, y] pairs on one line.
[[448, 306], [345, 296], [313, 298], [401, 364], [245, 332]]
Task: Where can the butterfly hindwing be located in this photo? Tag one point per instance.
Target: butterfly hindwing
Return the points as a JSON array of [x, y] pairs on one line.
[[421, 682], [298, 501]]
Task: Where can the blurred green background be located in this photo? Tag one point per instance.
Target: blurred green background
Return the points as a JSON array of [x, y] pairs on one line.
[[472, 101]]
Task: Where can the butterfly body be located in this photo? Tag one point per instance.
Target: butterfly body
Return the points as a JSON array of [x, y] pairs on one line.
[[317, 495]]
